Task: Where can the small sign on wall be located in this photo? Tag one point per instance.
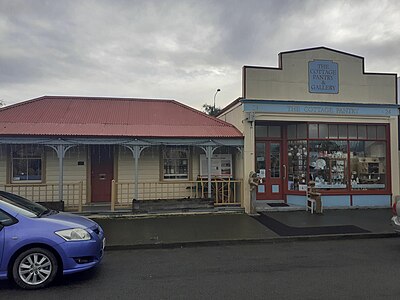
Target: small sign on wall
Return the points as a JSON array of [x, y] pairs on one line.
[[323, 77], [302, 187]]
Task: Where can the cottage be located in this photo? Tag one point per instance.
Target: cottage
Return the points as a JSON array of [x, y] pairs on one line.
[[83, 151]]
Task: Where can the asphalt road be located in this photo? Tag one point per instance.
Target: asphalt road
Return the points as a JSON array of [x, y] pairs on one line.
[[341, 269]]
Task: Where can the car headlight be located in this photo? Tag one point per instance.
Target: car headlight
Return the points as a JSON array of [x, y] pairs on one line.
[[75, 234]]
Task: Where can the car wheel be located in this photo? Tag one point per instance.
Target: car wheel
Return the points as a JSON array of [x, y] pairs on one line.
[[34, 268]]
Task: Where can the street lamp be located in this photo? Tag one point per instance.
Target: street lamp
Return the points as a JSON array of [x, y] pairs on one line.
[[218, 90]]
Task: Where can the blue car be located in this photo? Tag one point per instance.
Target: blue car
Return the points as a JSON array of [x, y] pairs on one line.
[[37, 244]]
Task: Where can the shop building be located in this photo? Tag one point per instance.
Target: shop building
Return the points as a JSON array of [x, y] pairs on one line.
[[318, 117]]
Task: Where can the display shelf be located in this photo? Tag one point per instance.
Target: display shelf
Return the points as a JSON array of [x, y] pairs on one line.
[[370, 170], [330, 172]]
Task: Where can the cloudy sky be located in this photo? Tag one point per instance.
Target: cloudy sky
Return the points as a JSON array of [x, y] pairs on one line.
[[182, 50]]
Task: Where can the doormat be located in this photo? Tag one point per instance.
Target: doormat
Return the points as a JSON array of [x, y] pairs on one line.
[[285, 230], [278, 204]]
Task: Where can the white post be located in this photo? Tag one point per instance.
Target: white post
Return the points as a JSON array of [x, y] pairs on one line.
[[209, 155]]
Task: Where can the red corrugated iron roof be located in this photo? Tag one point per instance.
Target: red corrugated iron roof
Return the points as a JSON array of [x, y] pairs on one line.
[[100, 116]]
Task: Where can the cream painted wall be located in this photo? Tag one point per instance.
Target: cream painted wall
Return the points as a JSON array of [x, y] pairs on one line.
[[149, 164], [3, 165], [291, 82], [73, 174], [234, 116], [248, 164], [72, 171], [394, 159], [149, 171], [244, 162]]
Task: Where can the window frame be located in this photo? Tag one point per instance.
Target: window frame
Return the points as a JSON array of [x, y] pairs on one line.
[[163, 158], [11, 176]]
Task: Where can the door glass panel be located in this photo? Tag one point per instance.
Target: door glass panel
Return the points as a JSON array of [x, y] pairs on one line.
[[260, 159], [275, 157]]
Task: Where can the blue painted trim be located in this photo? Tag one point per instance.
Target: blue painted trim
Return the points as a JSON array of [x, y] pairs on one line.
[[372, 200], [344, 201], [305, 102], [336, 201], [296, 200], [324, 108]]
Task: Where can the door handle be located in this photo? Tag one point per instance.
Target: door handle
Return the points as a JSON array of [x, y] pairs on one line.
[[284, 171]]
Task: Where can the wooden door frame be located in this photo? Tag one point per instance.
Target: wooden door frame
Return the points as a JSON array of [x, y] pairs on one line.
[[90, 167], [282, 178]]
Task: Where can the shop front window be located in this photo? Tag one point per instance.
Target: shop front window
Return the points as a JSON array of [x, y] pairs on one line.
[[26, 164], [337, 157], [368, 164], [176, 163], [297, 165], [268, 131], [328, 164]]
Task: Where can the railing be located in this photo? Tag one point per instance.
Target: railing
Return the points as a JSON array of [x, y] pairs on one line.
[[224, 192], [72, 193]]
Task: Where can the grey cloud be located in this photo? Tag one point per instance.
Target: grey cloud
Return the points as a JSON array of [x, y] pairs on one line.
[[160, 48]]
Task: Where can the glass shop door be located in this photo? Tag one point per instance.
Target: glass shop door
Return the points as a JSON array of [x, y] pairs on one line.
[[269, 169]]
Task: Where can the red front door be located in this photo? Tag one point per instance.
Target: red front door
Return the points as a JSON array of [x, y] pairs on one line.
[[269, 169], [102, 167]]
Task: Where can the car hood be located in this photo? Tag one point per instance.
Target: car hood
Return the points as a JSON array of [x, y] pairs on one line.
[[68, 220]]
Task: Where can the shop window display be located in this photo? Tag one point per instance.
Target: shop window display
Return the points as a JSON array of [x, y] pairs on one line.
[[338, 157], [297, 162], [328, 164], [368, 165]]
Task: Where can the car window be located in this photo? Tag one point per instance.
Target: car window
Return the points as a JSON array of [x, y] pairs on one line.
[[21, 205], [5, 219]]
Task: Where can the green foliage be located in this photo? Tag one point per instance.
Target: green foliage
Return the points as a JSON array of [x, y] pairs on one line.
[[211, 110]]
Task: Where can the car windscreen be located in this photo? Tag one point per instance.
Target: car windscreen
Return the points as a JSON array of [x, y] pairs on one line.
[[21, 205]]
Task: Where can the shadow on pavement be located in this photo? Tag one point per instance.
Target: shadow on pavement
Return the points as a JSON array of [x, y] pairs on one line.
[[285, 230]]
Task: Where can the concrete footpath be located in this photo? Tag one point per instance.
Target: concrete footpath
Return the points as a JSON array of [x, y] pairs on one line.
[[223, 228]]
